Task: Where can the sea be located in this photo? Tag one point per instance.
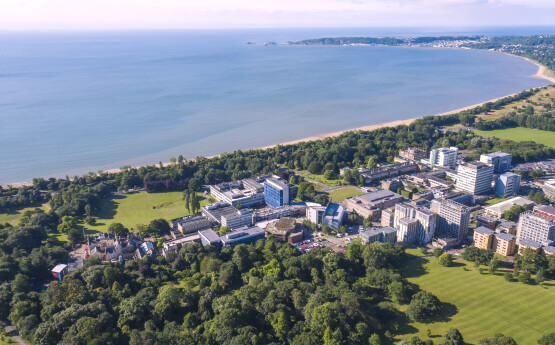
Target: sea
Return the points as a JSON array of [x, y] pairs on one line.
[[75, 102]]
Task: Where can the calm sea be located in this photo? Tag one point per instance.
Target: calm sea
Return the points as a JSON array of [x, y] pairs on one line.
[[77, 102]]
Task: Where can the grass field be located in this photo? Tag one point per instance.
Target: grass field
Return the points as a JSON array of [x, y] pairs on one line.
[[480, 305], [322, 179], [344, 193], [495, 201], [140, 208], [13, 216], [522, 134]]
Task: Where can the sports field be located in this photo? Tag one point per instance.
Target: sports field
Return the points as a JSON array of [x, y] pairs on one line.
[[522, 134], [480, 305], [140, 208]]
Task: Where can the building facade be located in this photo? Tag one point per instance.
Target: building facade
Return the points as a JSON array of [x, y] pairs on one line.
[[453, 220], [475, 177], [483, 237], [278, 192], [507, 184], [501, 161], [372, 203], [535, 227], [247, 192], [445, 157], [385, 234], [413, 153], [504, 244], [416, 225], [549, 189]]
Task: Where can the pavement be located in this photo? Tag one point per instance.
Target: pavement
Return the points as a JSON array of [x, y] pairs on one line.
[[13, 333]]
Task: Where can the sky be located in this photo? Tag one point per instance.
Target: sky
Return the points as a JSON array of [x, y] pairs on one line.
[[217, 14]]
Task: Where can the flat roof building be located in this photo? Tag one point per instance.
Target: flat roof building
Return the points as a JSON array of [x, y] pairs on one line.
[[445, 157], [549, 189], [475, 178], [498, 209], [413, 153], [504, 243], [278, 192], [453, 220], [372, 203], [224, 214], [247, 192], [415, 225], [483, 237], [334, 216], [501, 161], [375, 234], [507, 184], [535, 227]]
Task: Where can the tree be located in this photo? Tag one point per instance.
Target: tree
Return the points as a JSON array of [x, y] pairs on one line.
[[68, 222], [531, 260], [493, 265], [306, 191], [548, 339], [453, 337], [498, 339], [118, 229], [223, 230], [524, 277], [398, 291], [423, 306], [75, 236], [158, 227], [368, 222], [315, 168], [321, 199], [195, 184], [445, 260], [513, 213]]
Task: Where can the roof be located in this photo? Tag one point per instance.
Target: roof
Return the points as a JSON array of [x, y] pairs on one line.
[[546, 210], [378, 196], [210, 235], [242, 233], [59, 268], [484, 230], [505, 236], [550, 249], [503, 206], [408, 220], [485, 219], [475, 165], [377, 231], [529, 243], [277, 182], [507, 224], [496, 154]]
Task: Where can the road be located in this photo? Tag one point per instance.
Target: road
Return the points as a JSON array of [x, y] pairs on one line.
[[13, 333]]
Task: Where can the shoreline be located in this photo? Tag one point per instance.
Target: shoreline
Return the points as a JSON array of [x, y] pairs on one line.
[[542, 73]]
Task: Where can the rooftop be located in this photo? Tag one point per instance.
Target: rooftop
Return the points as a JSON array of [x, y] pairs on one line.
[[503, 206], [505, 236], [529, 243], [475, 165], [545, 210], [59, 268], [496, 154], [378, 196], [550, 249], [484, 230]]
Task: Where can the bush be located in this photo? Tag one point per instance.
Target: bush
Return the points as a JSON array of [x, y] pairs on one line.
[[508, 276], [438, 252], [524, 277]]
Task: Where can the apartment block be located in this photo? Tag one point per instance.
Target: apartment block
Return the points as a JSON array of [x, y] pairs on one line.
[[474, 177], [507, 184], [445, 157], [501, 161], [504, 243], [413, 153], [483, 237], [226, 215], [388, 217]]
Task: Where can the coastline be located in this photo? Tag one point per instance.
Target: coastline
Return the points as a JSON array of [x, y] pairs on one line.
[[542, 73]]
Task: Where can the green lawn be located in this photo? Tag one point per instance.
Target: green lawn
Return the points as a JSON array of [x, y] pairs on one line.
[[140, 208], [522, 134], [13, 216], [322, 179], [495, 201], [344, 193], [480, 305]]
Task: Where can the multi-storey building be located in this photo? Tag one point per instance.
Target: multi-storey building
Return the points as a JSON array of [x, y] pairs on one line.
[[372, 203], [279, 212], [238, 219], [507, 184], [549, 189], [416, 225], [501, 161], [483, 237], [475, 177], [243, 235], [388, 217], [334, 216], [385, 234], [246, 192], [445, 157], [226, 215], [315, 213], [191, 224], [504, 243], [413, 153], [453, 220], [536, 227], [278, 192]]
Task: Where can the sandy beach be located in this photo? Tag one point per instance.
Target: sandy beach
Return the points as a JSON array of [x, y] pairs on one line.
[[543, 72]]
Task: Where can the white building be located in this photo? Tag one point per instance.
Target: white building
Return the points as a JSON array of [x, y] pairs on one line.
[[501, 161], [445, 157], [535, 227], [416, 225], [475, 178]]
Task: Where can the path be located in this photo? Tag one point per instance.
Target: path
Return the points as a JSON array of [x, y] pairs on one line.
[[13, 333]]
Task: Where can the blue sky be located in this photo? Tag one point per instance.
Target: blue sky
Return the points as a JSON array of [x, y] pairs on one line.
[[129, 14]]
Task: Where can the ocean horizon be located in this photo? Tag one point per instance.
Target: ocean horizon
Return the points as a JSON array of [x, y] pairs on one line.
[[87, 101]]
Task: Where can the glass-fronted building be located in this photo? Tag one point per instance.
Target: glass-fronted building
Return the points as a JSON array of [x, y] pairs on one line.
[[278, 192]]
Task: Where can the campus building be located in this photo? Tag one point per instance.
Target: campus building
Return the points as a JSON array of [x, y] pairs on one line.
[[536, 227], [507, 184], [498, 209], [385, 234], [501, 243], [221, 213], [549, 189], [483, 237], [247, 192], [453, 220], [286, 229], [372, 203], [445, 157], [189, 225], [474, 177], [416, 225], [59, 271], [413, 153], [278, 192], [243, 235], [501, 161]]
